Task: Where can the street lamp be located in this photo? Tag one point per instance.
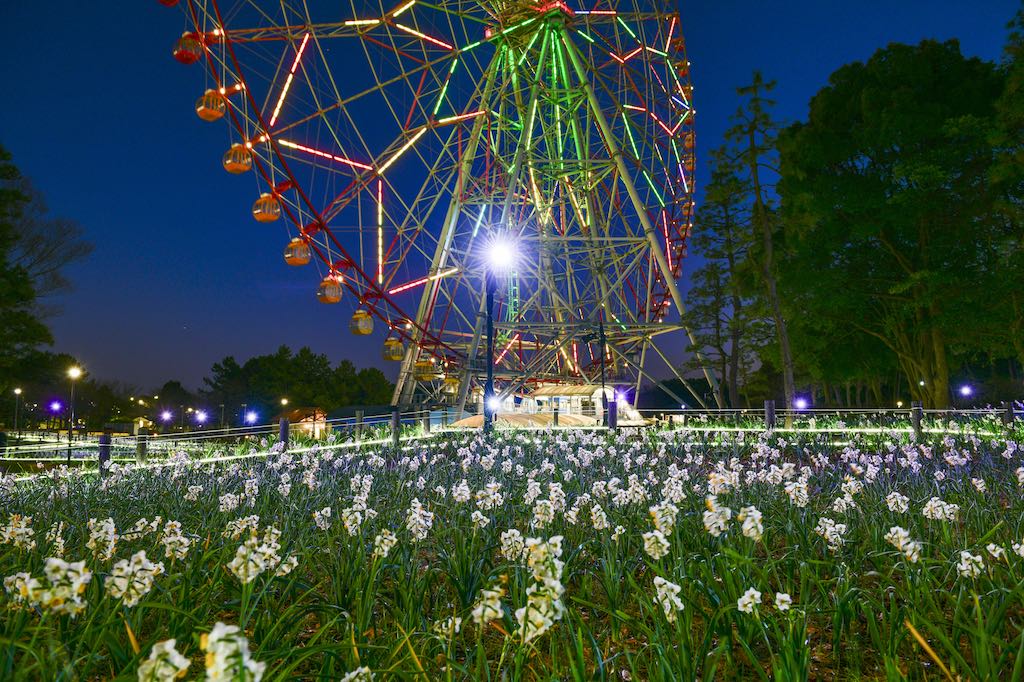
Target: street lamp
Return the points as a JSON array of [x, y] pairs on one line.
[[501, 255], [74, 374], [284, 402], [600, 338], [17, 400], [250, 417], [201, 416]]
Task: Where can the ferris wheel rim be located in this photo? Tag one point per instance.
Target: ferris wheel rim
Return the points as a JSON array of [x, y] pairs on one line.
[[349, 261]]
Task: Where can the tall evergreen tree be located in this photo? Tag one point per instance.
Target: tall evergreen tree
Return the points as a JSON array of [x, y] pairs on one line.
[[753, 137]]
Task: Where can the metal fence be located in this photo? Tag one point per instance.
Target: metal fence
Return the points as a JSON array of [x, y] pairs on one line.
[[46, 450]]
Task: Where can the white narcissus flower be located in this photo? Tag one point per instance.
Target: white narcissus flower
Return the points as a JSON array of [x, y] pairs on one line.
[[488, 607], [969, 565], [716, 517], [227, 655], [322, 518], [783, 601], [751, 520], [131, 579], [749, 601], [447, 628], [362, 674], [478, 519], [419, 520], [995, 550], [668, 596], [512, 545], [655, 544], [165, 663], [897, 502], [383, 544]]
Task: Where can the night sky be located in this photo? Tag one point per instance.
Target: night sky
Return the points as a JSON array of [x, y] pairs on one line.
[[100, 117]]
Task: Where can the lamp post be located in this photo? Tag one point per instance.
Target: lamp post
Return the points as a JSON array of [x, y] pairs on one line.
[[604, 396], [17, 400], [74, 373], [501, 258]]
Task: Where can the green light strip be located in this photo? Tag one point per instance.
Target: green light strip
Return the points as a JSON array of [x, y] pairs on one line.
[[586, 36], [444, 89], [529, 46], [629, 134], [653, 188], [628, 29]]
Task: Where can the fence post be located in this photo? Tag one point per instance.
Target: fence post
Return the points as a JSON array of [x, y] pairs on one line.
[[1007, 415], [104, 450], [769, 415], [425, 420], [916, 413], [359, 425], [613, 415], [140, 445], [282, 433], [396, 426], [554, 415]]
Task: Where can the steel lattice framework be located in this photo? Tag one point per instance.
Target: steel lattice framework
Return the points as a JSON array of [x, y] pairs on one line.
[[395, 140]]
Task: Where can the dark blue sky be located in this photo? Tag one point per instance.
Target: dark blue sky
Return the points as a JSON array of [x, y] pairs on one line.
[[100, 116]]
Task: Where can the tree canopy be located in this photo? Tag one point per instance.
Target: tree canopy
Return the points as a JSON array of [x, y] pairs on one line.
[[891, 228]]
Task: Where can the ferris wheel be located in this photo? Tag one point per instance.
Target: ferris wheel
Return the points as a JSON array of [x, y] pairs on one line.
[[395, 143]]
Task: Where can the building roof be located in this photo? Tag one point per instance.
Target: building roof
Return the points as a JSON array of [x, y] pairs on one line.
[[570, 390]]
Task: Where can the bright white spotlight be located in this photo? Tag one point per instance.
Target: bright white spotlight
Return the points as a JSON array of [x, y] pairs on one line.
[[800, 403], [201, 416], [165, 416], [250, 417], [502, 254], [494, 404], [966, 391]]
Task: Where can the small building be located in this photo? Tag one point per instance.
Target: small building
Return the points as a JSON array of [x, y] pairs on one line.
[[311, 421], [570, 399]]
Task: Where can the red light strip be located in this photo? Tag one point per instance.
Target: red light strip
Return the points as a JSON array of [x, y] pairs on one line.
[[668, 245], [632, 54], [380, 231], [288, 81], [325, 155], [515, 338], [423, 36]]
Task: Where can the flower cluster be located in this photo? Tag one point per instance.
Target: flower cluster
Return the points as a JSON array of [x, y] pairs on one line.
[[227, 655], [544, 597], [63, 595], [256, 555]]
